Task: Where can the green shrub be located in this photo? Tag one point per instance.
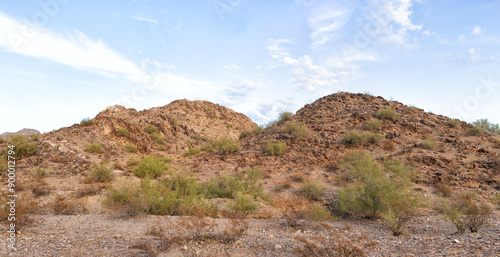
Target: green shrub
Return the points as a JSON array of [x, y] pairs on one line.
[[35, 137], [313, 189], [162, 148], [151, 167], [315, 211], [131, 148], [227, 145], [465, 211], [372, 138], [475, 131], [157, 138], [243, 203], [227, 186], [122, 132], [150, 128], [372, 124], [207, 148], [179, 195], [276, 148], [485, 125], [132, 161], [22, 147], [102, 172], [353, 138], [285, 116], [41, 172], [191, 151], [428, 143], [94, 148], [250, 132], [298, 129], [388, 114], [2, 140], [374, 190], [87, 122], [453, 123]]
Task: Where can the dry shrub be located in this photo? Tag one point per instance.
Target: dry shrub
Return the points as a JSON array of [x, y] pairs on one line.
[[91, 189], [443, 189], [293, 209], [337, 243], [24, 209], [388, 145], [62, 205], [466, 211], [41, 188]]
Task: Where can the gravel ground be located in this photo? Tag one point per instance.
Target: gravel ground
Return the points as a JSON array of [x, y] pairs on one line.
[[111, 235]]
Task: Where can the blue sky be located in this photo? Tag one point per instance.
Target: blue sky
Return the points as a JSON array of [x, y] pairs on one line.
[[64, 60]]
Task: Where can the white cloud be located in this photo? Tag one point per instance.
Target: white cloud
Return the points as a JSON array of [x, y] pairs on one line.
[[325, 23], [393, 17], [75, 50], [476, 31], [142, 19]]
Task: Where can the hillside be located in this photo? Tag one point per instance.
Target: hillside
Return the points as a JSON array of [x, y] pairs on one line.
[[249, 190]]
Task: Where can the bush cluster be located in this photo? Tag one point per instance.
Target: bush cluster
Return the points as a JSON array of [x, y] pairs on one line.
[[298, 129], [150, 167], [375, 190], [94, 148], [276, 148], [87, 122], [102, 172], [250, 132], [122, 132], [131, 148], [23, 148], [484, 126], [428, 143], [353, 138], [226, 145], [372, 124], [388, 114], [466, 211]]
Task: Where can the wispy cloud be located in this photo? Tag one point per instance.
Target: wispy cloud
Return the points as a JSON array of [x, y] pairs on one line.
[[326, 22], [143, 19], [472, 56]]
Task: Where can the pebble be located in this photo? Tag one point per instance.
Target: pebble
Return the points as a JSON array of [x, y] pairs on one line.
[[278, 247]]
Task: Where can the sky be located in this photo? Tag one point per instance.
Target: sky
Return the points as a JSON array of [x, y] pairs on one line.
[[65, 60]]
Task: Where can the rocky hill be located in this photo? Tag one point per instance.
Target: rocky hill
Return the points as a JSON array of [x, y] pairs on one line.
[[459, 157], [25, 132], [54, 181]]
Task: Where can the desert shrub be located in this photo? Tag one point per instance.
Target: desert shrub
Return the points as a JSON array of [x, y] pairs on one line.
[[428, 143], [102, 172], [372, 138], [226, 145], [475, 131], [315, 211], [276, 148], [243, 203], [291, 209], [90, 189], [372, 124], [94, 148], [40, 172], [35, 137], [335, 243], [353, 138], [150, 128], [465, 211], [150, 166], [87, 122], [25, 208], [62, 205], [228, 186], [207, 148], [486, 126], [312, 189], [157, 138], [2, 140], [132, 161], [298, 129], [285, 116], [388, 114], [122, 132], [41, 188], [453, 122], [179, 195], [374, 189], [443, 189], [496, 199], [131, 148], [162, 148], [250, 132], [191, 151], [22, 147]]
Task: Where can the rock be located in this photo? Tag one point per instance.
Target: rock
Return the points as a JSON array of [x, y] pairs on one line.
[[456, 241], [278, 247]]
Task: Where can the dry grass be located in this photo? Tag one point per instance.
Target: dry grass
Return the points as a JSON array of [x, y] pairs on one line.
[[63, 205], [336, 243], [90, 189]]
